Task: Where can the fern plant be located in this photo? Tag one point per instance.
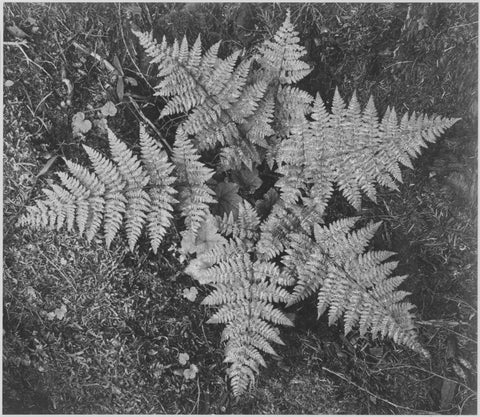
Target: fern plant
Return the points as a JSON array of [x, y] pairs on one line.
[[240, 115]]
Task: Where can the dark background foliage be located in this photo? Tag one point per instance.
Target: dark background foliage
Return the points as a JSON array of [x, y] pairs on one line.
[[115, 348]]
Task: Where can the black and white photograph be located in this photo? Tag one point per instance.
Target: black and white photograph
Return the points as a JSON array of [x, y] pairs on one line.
[[240, 208]]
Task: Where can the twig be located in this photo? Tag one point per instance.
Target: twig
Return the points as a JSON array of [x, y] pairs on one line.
[[197, 403], [423, 370], [445, 325], [107, 64], [398, 63], [146, 120], [128, 51], [441, 323], [375, 395]]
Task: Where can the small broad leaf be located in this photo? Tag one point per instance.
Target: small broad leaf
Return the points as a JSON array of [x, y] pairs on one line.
[[183, 358], [101, 125], [190, 373], [227, 197], [8, 83], [120, 88], [47, 166], [248, 179], [109, 109], [206, 238], [190, 293], [58, 313], [130, 81], [117, 65], [16, 31], [264, 205], [80, 125]]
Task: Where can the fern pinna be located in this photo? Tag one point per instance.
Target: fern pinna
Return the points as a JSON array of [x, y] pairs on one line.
[[241, 116]]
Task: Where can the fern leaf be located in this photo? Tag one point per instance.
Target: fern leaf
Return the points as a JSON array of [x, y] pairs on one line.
[[243, 225], [245, 291], [194, 194], [127, 191], [138, 200], [348, 147], [352, 283], [115, 201], [161, 192], [281, 57]]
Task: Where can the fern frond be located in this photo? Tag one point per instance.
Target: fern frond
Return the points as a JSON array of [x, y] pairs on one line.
[[127, 191], [281, 57], [244, 290], [213, 92], [352, 283], [243, 226], [160, 190], [138, 200], [348, 147], [115, 200]]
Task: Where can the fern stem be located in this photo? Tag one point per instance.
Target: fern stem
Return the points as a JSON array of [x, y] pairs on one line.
[[146, 120]]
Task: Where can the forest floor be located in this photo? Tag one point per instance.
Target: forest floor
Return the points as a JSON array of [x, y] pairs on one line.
[[90, 330]]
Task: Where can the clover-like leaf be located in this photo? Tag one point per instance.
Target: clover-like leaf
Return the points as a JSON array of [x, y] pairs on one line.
[[80, 125], [190, 293], [191, 372], [109, 109], [58, 313], [183, 358]]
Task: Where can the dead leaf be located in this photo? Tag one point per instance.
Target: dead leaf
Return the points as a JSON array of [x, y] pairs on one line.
[[447, 394], [248, 179], [131, 81], [58, 313], [17, 32], [47, 166], [227, 197], [120, 88]]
